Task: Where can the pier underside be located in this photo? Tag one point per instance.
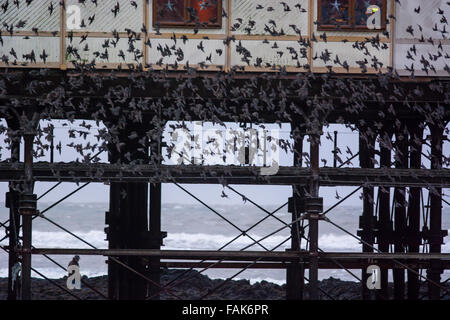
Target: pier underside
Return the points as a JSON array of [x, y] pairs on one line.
[[386, 110]]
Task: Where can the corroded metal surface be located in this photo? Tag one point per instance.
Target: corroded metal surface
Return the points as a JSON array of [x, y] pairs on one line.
[[233, 174]]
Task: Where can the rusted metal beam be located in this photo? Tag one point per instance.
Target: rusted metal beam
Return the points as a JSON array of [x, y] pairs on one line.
[[367, 220], [436, 234], [27, 219], [401, 161], [295, 271], [324, 265], [97, 172], [313, 218], [127, 221], [240, 255], [384, 233], [156, 235], [413, 233], [12, 202]]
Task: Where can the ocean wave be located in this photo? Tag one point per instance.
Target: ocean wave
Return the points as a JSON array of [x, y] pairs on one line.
[[197, 241], [95, 266]]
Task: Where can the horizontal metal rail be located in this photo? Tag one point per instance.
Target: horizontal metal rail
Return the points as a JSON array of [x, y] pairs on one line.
[[323, 264], [102, 172], [239, 255]]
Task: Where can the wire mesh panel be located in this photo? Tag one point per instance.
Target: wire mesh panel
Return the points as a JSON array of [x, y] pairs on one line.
[[105, 16], [336, 53], [43, 15], [256, 16], [262, 54], [18, 51], [425, 59], [421, 38], [193, 51], [416, 18], [103, 50]]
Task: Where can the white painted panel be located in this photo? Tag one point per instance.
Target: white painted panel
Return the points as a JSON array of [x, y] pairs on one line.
[[96, 45], [23, 46], [247, 10], [128, 17], [190, 50], [346, 52], [431, 54], [267, 53], [189, 30], [35, 15], [427, 18]]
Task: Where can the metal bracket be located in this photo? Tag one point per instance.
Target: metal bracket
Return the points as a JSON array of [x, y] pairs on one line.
[[11, 199], [314, 205], [296, 204], [434, 237], [28, 204], [155, 240]]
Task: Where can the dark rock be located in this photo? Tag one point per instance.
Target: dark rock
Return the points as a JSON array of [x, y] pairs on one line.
[[194, 285]]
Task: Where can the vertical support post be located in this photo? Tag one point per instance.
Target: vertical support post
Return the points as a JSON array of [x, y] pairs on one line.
[[335, 149], [128, 222], [52, 144], [313, 218], [27, 220], [295, 272], [367, 220], [414, 236], [155, 231], [384, 233], [156, 235], [62, 37], [436, 235], [401, 162], [12, 202]]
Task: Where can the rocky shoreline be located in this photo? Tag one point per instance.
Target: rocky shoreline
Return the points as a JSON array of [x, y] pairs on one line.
[[196, 286]]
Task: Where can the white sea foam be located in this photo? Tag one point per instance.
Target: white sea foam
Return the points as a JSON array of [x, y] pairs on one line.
[[188, 241], [62, 239], [95, 266]]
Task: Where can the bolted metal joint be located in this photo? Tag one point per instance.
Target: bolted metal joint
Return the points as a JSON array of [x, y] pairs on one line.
[[296, 204], [314, 205], [155, 240], [11, 199], [436, 238], [28, 204], [367, 222]]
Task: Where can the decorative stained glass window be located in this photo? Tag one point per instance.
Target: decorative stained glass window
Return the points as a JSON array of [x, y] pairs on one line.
[[334, 12], [352, 14], [188, 13], [169, 12]]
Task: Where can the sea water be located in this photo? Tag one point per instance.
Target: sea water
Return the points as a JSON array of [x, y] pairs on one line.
[[191, 227]]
